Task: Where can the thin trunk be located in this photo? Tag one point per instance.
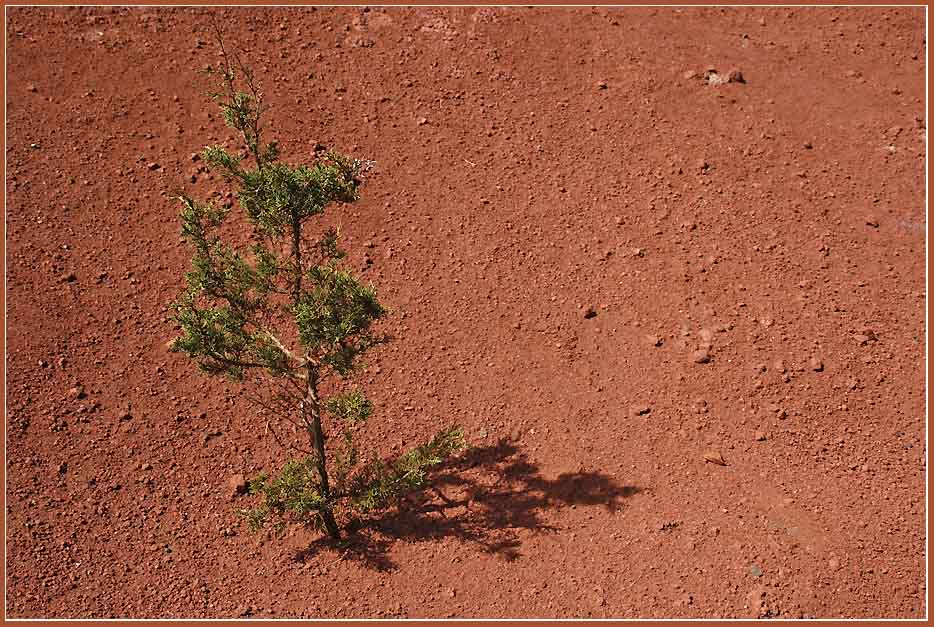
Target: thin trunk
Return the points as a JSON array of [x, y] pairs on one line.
[[311, 405], [313, 408]]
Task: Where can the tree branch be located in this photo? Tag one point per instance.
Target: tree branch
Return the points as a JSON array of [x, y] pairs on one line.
[[252, 143], [285, 350], [232, 362]]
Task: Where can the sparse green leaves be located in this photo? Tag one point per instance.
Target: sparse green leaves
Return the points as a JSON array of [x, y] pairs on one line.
[[335, 315], [271, 153], [382, 482], [239, 110], [219, 311], [198, 219], [342, 358], [277, 195], [255, 518], [218, 157], [268, 268], [294, 494], [221, 342], [350, 407], [345, 461], [328, 248]]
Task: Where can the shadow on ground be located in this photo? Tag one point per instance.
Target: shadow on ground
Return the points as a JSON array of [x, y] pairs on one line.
[[485, 497]]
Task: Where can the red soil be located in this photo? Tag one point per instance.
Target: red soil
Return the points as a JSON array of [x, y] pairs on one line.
[[532, 163]]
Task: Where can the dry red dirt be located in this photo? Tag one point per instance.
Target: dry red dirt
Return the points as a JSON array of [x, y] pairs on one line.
[[532, 164]]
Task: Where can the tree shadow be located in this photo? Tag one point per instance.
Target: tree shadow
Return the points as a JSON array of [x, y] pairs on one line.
[[485, 497]]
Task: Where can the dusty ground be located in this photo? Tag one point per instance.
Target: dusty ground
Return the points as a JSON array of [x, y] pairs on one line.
[[532, 164]]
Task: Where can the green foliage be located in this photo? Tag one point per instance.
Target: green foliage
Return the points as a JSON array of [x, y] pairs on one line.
[[328, 248], [277, 195], [219, 158], [334, 317], [224, 311], [281, 313], [382, 482], [351, 406], [294, 495]]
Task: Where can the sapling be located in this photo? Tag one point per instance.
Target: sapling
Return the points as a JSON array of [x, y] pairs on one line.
[[282, 315]]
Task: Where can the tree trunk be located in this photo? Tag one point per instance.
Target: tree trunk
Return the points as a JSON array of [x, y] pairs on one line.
[[312, 407]]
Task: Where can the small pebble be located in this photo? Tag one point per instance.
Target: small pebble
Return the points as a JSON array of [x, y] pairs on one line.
[[713, 78], [639, 410], [700, 356], [777, 410], [714, 457]]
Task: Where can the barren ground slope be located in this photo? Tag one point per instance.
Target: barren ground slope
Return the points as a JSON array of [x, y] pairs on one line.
[[532, 164]]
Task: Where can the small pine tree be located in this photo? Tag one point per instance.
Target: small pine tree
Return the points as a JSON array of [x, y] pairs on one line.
[[283, 315]]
